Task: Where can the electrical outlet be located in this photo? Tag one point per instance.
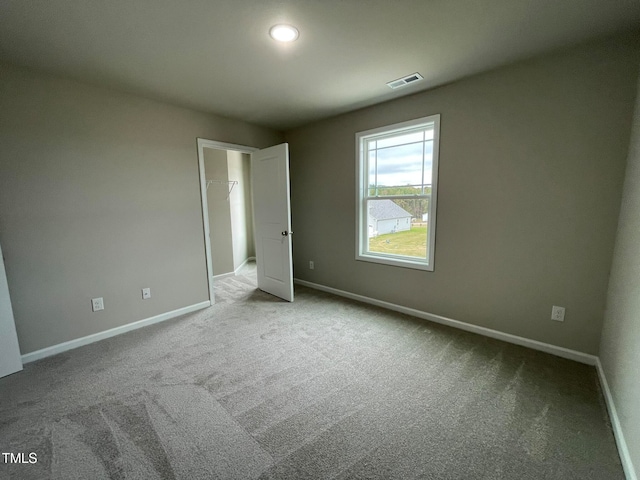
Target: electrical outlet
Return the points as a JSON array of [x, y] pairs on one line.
[[557, 314], [146, 293], [311, 265], [97, 304]]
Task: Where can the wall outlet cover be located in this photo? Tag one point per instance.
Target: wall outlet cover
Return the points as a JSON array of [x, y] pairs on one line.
[[557, 313], [97, 304]]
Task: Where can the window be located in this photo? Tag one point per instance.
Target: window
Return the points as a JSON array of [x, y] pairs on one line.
[[397, 175]]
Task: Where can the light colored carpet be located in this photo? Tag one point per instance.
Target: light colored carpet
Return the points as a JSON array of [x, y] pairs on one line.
[[255, 387]]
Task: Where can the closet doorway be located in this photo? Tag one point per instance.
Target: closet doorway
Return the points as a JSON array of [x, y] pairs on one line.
[[225, 183]]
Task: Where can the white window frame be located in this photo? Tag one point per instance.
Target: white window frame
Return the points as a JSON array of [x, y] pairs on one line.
[[362, 195]]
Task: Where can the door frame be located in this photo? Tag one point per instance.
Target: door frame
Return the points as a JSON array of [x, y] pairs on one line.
[[202, 144], [10, 357]]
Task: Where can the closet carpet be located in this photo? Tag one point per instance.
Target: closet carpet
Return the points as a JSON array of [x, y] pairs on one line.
[[257, 388]]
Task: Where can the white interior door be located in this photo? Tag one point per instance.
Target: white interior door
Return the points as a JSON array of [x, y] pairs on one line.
[[272, 214], [10, 360]]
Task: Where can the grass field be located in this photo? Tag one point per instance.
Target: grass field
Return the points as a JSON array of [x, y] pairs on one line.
[[411, 242]]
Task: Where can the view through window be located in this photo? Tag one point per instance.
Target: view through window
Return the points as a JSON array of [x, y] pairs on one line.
[[397, 174]]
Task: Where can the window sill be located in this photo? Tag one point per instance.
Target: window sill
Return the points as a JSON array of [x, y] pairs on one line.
[[395, 261]]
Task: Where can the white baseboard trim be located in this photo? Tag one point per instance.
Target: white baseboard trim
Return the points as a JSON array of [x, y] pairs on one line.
[[623, 450], [243, 264], [487, 332], [79, 342], [235, 272]]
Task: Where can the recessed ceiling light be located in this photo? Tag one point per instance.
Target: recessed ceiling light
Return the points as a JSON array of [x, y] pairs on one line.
[[284, 33]]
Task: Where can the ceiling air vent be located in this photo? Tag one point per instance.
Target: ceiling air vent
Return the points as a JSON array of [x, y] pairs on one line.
[[404, 81]]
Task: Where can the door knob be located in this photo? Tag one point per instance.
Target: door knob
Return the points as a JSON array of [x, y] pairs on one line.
[[285, 233]]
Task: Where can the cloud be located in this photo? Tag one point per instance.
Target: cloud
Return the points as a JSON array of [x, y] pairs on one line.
[[402, 165]]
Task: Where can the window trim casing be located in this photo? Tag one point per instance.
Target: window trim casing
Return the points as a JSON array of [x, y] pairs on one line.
[[361, 198]]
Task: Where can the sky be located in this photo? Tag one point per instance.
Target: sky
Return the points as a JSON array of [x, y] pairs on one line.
[[401, 165]]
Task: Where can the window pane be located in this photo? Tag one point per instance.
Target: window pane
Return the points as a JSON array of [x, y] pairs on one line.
[[372, 173], [399, 166], [401, 139], [398, 161], [398, 227], [428, 162]]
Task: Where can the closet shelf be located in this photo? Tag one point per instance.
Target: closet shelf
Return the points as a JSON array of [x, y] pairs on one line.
[[230, 183]]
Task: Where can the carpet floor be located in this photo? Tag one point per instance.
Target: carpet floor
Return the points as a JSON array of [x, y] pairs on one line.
[[257, 388]]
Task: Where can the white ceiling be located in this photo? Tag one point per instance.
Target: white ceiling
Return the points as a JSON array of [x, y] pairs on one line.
[[216, 55]]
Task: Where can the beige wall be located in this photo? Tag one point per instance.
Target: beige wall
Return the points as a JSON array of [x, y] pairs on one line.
[[99, 196], [620, 347], [216, 169], [532, 160], [248, 204]]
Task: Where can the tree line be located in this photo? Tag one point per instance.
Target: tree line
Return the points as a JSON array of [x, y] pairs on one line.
[[416, 207]]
